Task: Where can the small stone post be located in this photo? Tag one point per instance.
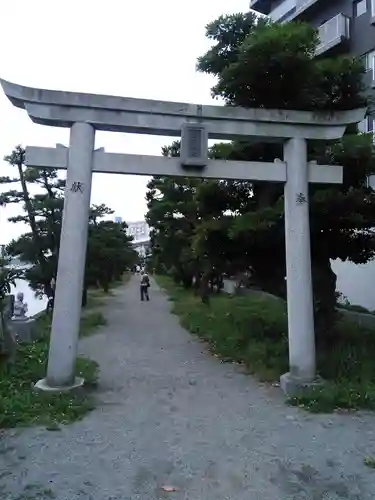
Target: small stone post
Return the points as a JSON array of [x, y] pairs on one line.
[[298, 264], [71, 266]]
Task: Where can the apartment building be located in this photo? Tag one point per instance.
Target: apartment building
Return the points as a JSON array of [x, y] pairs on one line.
[[345, 26]]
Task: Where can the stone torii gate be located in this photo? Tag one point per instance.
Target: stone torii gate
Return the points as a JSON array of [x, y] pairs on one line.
[[86, 113]]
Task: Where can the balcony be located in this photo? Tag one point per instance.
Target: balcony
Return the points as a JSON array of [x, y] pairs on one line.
[[333, 32]]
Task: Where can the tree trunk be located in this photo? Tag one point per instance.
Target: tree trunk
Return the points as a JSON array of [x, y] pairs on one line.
[[51, 218], [325, 298], [270, 276], [84, 297], [32, 220], [220, 283], [204, 289]]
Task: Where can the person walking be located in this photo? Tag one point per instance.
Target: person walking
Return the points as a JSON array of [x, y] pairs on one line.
[[145, 285]]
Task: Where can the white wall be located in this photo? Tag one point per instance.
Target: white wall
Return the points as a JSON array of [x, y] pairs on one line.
[[356, 282]]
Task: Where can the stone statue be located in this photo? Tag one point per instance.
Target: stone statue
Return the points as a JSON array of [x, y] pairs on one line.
[[7, 336], [20, 308], [24, 328]]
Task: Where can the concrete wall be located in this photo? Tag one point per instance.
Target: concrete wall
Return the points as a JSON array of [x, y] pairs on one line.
[[356, 282]]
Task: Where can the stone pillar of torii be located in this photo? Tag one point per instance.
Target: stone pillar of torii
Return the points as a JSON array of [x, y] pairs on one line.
[[195, 124]]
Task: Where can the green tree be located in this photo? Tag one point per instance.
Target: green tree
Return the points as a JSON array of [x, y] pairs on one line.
[[263, 65], [173, 216], [109, 248], [190, 223], [109, 253], [259, 64], [41, 212], [274, 66]]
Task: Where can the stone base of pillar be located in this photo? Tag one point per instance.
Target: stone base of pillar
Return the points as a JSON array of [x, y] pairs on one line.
[[42, 385], [293, 386]]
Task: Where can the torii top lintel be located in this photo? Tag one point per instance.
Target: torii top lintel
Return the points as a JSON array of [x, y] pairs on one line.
[[146, 116]]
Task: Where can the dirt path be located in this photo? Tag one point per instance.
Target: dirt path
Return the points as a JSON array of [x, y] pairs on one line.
[[170, 414]]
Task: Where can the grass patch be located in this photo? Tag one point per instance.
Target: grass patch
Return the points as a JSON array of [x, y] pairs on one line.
[[247, 330], [253, 330], [21, 406], [348, 370], [126, 277], [35, 492], [90, 322], [96, 296], [93, 300]]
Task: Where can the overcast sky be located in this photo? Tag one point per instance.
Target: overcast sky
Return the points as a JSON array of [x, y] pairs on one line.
[[142, 48]]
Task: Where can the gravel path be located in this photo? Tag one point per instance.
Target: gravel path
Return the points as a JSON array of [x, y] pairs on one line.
[[171, 414]]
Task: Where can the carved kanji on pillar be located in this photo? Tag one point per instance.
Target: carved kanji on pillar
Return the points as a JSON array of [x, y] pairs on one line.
[[77, 187]]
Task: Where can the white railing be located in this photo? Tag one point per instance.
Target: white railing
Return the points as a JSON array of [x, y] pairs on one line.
[[335, 29]]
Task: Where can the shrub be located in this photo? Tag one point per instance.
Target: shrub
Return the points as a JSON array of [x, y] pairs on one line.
[[253, 330], [249, 330], [20, 405]]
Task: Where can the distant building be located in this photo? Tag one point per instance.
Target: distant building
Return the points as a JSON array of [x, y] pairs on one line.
[[139, 230], [118, 220]]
